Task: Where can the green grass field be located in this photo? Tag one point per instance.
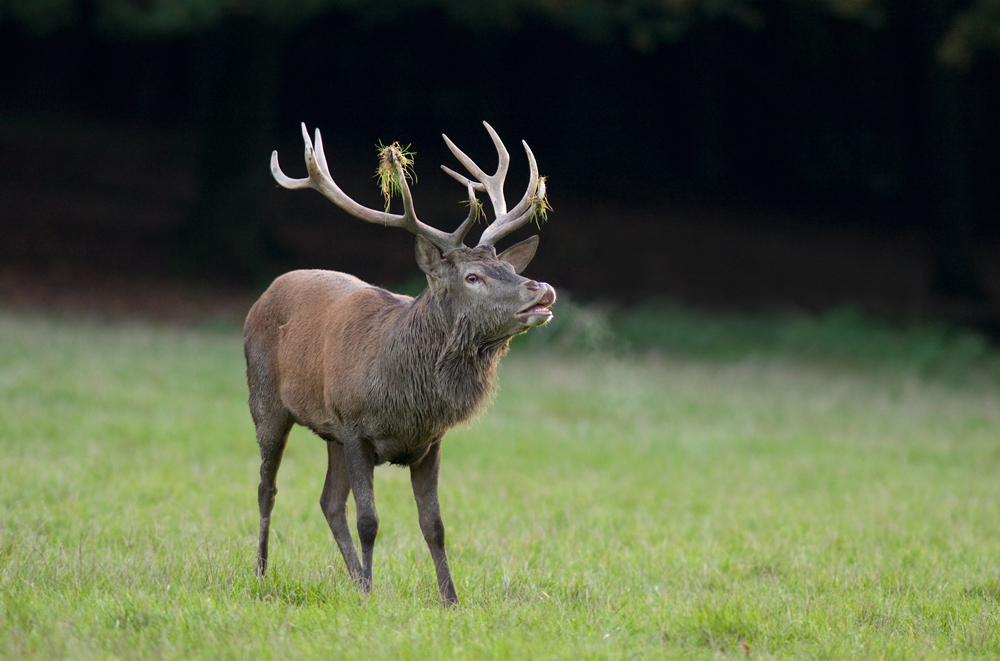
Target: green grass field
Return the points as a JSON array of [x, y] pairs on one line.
[[824, 489]]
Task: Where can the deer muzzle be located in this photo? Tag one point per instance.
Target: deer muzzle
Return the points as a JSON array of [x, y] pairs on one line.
[[538, 313]]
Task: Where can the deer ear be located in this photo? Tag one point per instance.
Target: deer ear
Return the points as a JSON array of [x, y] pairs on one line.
[[519, 254], [429, 258]]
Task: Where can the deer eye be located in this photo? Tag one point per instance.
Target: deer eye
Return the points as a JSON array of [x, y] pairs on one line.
[[471, 278]]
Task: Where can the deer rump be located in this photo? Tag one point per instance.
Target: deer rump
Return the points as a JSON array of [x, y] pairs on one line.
[[381, 376]]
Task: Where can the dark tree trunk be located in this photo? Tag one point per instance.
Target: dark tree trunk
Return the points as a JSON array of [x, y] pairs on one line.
[[708, 44], [239, 64], [946, 181]]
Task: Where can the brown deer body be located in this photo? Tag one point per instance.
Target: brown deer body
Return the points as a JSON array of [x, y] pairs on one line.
[[380, 376]]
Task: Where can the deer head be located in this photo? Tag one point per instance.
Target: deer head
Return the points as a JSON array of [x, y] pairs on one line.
[[476, 285]]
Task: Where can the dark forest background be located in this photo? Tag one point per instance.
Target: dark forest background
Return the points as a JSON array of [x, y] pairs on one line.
[[789, 154]]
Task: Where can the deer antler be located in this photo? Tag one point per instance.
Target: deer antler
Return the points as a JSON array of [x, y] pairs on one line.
[[504, 221], [319, 179]]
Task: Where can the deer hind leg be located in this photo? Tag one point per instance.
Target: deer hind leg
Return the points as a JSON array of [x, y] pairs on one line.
[[272, 422], [424, 479], [272, 437], [336, 489], [359, 459]]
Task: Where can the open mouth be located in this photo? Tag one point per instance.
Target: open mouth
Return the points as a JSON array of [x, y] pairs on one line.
[[539, 313]]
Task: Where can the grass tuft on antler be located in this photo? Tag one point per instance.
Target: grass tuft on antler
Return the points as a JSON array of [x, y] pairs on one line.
[[475, 207], [394, 163], [540, 206]]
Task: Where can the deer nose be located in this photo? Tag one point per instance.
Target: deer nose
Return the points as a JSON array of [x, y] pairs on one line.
[[544, 291]]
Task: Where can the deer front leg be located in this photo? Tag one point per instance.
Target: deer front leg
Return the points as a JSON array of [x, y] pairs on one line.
[[334, 503], [359, 458], [424, 478]]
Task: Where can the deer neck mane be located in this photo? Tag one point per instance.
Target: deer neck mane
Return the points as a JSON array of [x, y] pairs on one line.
[[438, 362]]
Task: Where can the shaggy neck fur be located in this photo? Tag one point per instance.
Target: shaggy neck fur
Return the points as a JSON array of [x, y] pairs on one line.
[[436, 371]]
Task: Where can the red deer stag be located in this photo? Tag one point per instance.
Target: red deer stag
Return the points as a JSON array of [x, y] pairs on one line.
[[380, 376]]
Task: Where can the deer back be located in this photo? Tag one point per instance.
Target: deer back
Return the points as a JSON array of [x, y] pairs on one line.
[[313, 337]]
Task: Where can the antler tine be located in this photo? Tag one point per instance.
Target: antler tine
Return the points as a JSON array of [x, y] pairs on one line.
[[520, 214], [493, 185], [473, 216], [320, 154], [284, 180], [504, 221], [319, 179], [463, 179]]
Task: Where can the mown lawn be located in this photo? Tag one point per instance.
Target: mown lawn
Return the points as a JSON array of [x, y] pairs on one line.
[[680, 503]]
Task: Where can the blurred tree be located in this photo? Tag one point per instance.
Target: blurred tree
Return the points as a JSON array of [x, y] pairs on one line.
[[237, 62], [974, 29], [946, 36], [945, 178], [239, 65], [41, 16]]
